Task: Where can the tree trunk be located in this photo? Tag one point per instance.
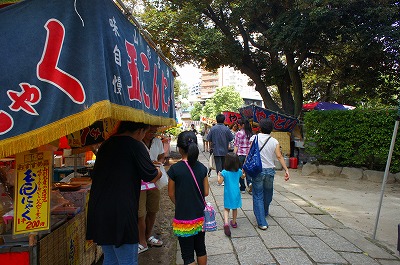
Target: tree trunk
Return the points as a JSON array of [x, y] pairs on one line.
[[297, 85], [285, 94]]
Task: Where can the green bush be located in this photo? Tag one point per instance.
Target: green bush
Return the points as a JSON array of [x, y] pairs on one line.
[[356, 138]]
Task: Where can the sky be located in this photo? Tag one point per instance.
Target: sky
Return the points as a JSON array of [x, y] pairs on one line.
[[188, 74]]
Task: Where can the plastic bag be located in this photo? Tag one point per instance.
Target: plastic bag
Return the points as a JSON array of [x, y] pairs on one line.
[[211, 162], [163, 181]]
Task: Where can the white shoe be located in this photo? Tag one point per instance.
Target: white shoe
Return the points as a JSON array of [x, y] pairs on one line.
[[155, 242], [142, 249]]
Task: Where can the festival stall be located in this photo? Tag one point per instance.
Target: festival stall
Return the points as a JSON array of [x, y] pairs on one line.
[[69, 68], [285, 127]]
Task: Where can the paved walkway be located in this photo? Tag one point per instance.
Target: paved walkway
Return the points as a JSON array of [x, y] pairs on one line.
[[298, 233]]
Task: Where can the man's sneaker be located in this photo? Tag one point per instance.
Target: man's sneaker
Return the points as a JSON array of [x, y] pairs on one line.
[[263, 227], [250, 189]]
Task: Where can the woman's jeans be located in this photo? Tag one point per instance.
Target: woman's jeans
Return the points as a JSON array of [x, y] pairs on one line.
[[263, 188], [126, 254], [241, 181]]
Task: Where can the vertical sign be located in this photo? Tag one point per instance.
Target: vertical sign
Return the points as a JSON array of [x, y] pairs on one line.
[[32, 192], [74, 241]]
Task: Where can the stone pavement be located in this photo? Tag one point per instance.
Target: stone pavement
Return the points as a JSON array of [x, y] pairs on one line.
[[298, 233]]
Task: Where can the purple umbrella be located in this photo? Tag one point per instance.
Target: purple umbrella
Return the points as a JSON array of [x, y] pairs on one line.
[[332, 106]]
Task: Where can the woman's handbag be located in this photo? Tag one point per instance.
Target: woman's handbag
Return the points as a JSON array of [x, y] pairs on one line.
[[210, 224], [253, 165]]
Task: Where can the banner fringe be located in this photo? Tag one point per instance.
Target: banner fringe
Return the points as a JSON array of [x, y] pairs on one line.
[[56, 130]]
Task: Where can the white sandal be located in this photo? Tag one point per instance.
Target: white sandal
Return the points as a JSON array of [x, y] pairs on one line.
[[142, 249], [152, 241]]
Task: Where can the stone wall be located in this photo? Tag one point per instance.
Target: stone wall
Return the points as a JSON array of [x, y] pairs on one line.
[[348, 172]]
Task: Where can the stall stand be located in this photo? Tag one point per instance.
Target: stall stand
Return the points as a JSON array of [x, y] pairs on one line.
[[63, 85], [63, 241]]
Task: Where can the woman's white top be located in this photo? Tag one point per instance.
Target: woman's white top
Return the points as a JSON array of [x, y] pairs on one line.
[[267, 154]]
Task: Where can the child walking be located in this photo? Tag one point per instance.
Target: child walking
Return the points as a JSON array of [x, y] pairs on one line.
[[189, 201], [232, 198]]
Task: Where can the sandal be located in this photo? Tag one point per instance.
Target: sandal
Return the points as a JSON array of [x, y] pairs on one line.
[[152, 241], [227, 231], [234, 225], [142, 249]]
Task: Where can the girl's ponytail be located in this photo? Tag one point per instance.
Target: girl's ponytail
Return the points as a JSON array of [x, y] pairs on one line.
[[187, 141], [193, 153]]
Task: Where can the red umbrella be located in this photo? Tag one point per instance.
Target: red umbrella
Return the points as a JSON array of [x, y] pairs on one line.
[[326, 106], [310, 106]]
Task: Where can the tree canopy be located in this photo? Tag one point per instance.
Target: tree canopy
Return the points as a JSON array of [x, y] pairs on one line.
[[181, 90], [196, 111], [224, 99], [317, 49]]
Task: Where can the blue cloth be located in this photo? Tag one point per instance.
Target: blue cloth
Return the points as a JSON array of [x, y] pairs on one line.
[[263, 189], [78, 55], [220, 136], [232, 198], [126, 254]]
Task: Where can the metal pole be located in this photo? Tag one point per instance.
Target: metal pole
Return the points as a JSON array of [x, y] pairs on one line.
[[396, 127]]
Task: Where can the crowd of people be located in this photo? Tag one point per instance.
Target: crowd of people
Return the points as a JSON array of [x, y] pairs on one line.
[[260, 186], [124, 200]]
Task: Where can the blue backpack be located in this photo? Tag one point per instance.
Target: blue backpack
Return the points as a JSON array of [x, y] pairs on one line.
[[252, 165]]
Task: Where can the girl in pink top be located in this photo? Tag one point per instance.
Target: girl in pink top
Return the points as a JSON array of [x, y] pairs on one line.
[[242, 147]]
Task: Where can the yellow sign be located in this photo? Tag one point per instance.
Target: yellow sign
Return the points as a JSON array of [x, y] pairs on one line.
[[207, 121], [32, 192]]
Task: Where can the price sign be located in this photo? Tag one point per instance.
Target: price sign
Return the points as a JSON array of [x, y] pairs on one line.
[[32, 192]]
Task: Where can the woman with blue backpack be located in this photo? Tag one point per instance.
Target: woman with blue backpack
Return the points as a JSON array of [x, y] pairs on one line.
[[263, 183]]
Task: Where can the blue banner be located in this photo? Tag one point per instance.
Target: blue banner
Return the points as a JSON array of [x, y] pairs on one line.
[[281, 122], [66, 64]]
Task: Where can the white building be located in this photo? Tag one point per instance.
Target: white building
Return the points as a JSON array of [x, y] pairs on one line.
[[195, 89], [227, 76]]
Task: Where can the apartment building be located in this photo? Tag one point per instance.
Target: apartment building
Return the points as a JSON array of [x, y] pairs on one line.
[[227, 76]]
